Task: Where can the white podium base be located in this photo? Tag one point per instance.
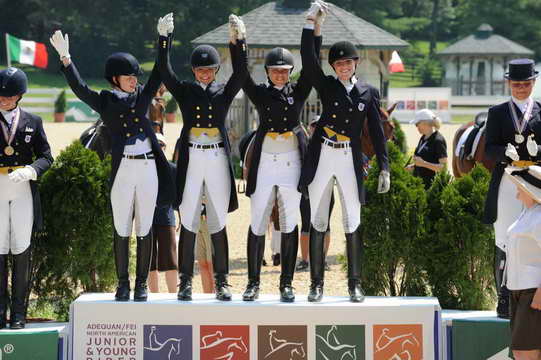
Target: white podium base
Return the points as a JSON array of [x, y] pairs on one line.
[[165, 328]]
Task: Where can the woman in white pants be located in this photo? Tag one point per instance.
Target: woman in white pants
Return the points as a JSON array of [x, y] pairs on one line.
[[24, 156], [204, 167], [140, 174]]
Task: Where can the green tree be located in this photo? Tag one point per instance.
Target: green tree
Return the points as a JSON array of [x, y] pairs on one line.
[[459, 248], [74, 252], [393, 233]]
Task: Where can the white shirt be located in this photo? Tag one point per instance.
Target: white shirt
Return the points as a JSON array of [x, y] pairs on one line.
[[10, 115], [523, 267], [522, 104], [349, 84], [140, 147]]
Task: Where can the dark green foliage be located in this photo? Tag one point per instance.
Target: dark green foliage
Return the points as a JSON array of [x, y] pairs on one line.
[[171, 106], [74, 252], [399, 137], [393, 229], [60, 103], [428, 71], [459, 250]]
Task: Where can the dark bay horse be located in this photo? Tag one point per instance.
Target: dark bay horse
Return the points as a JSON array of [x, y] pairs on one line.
[[464, 164], [98, 139]]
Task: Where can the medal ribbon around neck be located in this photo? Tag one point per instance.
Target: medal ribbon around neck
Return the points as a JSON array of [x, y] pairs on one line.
[[10, 135], [519, 127]]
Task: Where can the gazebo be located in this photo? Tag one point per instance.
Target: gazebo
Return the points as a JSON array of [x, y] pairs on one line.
[[280, 24], [476, 64]]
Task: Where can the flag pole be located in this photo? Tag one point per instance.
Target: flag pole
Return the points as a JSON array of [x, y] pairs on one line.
[[7, 50]]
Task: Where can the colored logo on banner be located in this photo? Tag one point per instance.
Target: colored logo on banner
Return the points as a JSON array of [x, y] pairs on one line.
[[231, 342], [282, 342], [167, 342], [398, 342], [340, 342]]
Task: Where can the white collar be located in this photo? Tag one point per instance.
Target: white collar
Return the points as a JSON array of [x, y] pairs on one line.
[[349, 84], [8, 115], [521, 103]]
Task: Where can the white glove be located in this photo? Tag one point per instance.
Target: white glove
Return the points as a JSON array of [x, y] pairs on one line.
[[384, 181], [531, 145], [23, 174], [320, 17], [166, 25], [312, 13], [512, 153], [61, 44], [237, 29]]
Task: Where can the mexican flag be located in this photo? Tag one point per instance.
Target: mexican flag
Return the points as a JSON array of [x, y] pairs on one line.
[[27, 52]]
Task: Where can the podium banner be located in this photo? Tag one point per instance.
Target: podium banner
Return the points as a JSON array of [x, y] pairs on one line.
[[164, 328]]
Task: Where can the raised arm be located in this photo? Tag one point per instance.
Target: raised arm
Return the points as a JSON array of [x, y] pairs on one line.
[[76, 83], [239, 57], [168, 76], [310, 61], [304, 83]]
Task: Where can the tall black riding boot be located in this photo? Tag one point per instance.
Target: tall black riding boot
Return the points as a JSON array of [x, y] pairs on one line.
[[3, 290], [220, 262], [186, 254], [317, 264], [354, 246], [503, 293], [19, 286], [144, 255], [289, 245], [121, 248], [256, 248]]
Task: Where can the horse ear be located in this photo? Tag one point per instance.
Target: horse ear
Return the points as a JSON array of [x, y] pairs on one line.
[[391, 108]]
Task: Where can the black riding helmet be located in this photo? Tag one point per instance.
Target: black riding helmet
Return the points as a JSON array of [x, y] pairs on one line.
[[121, 63], [13, 82], [279, 58], [205, 56], [342, 50]]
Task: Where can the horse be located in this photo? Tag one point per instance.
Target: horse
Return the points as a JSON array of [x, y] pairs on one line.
[[464, 163], [224, 348], [97, 137]]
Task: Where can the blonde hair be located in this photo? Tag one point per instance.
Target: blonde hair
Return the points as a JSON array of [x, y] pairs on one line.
[[436, 122]]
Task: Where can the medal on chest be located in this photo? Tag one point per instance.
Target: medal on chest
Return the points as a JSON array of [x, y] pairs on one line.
[[9, 134], [361, 106], [520, 123], [290, 100]]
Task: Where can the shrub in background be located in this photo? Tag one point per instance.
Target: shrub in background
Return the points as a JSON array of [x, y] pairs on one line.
[[74, 252]]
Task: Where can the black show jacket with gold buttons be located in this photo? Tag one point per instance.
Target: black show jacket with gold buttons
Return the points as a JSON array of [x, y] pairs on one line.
[[31, 148], [343, 113], [279, 111], [203, 108], [125, 115]]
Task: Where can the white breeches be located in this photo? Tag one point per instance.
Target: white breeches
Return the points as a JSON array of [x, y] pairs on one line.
[[277, 182], [335, 165], [509, 208], [276, 240], [16, 216], [208, 175], [133, 196]]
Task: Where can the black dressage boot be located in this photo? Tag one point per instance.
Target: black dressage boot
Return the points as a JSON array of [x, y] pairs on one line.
[[289, 246], [144, 255], [256, 248], [121, 247], [220, 261], [19, 284], [186, 254], [317, 265], [4, 299], [502, 309], [354, 247]]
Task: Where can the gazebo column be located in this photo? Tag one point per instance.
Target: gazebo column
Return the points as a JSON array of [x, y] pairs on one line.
[[491, 76], [458, 82], [471, 76]]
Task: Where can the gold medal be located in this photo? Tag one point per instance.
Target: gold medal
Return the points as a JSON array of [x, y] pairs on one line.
[[9, 150], [519, 138]]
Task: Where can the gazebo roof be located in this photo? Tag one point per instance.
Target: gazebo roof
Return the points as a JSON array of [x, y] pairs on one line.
[[485, 42], [274, 24]]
